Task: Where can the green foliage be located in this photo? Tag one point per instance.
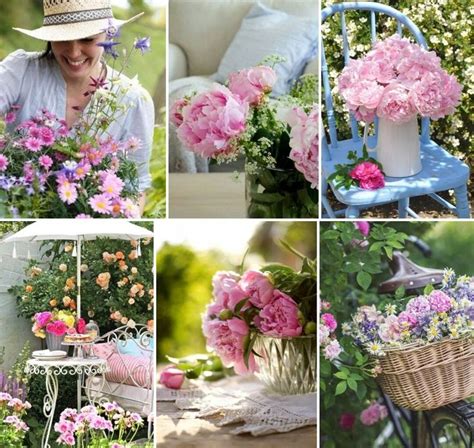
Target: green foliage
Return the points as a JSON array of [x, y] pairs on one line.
[[206, 367], [155, 206], [446, 26], [184, 289]]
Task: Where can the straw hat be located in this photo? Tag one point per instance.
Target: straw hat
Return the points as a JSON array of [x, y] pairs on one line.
[[74, 19]]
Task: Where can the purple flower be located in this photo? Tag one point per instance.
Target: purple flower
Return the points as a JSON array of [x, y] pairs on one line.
[[439, 301], [112, 30], [143, 44], [108, 46], [418, 305]]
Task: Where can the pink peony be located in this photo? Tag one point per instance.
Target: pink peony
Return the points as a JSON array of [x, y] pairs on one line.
[[374, 413], [279, 318], [390, 330], [304, 142], [396, 104], [81, 326], [43, 318], [329, 320], [212, 121], [369, 176], [227, 338], [172, 377], [57, 327], [227, 292], [251, 84], [332, 350], [176, 112], [346, 421], [439, 301], [258, 286]]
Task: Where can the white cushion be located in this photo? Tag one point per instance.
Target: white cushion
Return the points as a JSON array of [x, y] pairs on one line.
[[265, 32]]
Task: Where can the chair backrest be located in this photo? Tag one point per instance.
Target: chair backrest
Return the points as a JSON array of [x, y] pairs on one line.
[[373, 8]]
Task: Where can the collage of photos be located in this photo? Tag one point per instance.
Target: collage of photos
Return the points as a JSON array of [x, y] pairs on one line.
[[242, 223]]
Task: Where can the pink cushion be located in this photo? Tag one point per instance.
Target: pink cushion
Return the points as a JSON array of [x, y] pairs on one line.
[[128, 369], [104, 350]]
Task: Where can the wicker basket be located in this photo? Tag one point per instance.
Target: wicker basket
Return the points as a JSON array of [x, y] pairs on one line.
[[429, 376]]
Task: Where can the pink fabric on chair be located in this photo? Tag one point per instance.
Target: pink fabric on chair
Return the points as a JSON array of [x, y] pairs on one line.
[[127, 369]]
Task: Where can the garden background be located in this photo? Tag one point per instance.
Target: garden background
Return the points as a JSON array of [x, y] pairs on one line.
[[41, 277], [150, 68], [447, 27], [351, 268]]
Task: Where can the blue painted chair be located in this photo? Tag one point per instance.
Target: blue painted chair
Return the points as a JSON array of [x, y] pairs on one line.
[[441, 170]]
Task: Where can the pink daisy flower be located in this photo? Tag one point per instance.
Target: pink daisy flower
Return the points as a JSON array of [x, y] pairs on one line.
[[10, 117], [67, 193], [112, 185], [101, 203], [46, 136], [130, 209], [3, 162], [33, 144], [46, 162]]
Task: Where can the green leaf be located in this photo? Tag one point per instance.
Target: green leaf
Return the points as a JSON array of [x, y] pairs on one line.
[[359, 358], [341, 388], [364, 280], [428, 289], [341, 375], [361, 391], [388, 251], [267, 198], [352, 384], [325, 368], [400, 292], [239, 305], [356, 377]]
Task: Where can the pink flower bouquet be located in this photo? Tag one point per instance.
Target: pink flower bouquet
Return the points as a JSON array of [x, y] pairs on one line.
[[275, 301], [278, 138], [397, 80], [56, 322]]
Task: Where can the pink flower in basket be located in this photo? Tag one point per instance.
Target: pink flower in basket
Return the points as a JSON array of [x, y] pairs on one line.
[[279, 318], [211, 121], [227, 339], [369, 176], [304, 142], [258, 287], [251, 84], [439, 301], [57, 328]]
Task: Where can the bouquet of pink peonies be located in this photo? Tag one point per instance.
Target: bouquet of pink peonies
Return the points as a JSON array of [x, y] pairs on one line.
[[275, 302], [397, 80], [277, 137]]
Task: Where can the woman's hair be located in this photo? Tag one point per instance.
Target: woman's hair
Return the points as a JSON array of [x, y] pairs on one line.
[[48, 51]]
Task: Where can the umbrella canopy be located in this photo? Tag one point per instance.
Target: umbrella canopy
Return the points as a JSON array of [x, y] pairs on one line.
[[79, 230]]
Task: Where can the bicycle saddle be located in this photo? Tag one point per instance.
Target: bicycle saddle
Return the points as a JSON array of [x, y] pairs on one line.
[[409, 274]]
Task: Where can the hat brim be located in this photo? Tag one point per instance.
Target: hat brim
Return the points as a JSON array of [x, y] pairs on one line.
[[74, 31]]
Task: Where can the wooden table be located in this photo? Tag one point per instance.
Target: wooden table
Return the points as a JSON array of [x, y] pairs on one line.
[[206, 195], [177, 428]]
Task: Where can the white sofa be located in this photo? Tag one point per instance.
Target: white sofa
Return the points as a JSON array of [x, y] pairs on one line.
[[200, 31]]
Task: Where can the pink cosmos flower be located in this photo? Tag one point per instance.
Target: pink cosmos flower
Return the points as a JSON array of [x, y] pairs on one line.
[[57, 327], [227, 339], [68, 192], [3, 162], [363, 226], [46, 136], [33, 144], [329, 320], [258, 286], [43, 318], [396, 104], [176, 112], [439, 301], [45, 161], [112, 185], [332, 350], [369, 176], [304, 142], [373, 414], [172, 377], [346, 421], [212, 121], [251, 84], [101, 203], [279, 318]]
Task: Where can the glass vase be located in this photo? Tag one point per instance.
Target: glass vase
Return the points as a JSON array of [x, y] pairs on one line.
[[287, 365], [278, 193], [54, 342]]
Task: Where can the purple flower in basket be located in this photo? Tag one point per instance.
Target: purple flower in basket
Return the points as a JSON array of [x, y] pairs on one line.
[[439, 301], [418, 306]]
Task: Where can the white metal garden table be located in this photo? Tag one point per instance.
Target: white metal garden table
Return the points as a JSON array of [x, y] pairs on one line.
[[52, 369]]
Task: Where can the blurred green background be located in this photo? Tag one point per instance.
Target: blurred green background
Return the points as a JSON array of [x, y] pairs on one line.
[[149, 67], [189, 254]]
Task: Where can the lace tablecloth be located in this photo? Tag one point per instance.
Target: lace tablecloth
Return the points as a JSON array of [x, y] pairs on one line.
[[243, 401]]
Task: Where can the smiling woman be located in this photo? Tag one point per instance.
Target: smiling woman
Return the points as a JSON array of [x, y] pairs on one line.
[[66, 81]]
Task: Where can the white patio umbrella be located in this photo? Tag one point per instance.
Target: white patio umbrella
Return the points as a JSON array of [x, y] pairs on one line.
[[79, 230]]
